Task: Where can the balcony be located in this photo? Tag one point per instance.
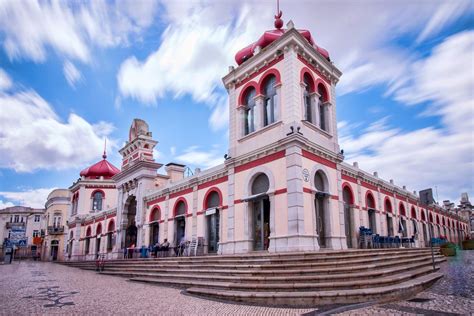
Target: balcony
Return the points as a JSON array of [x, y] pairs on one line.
[[55, 230], [14, 225]]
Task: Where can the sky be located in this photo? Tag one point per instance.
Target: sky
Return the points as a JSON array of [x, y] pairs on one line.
[[73, 73]]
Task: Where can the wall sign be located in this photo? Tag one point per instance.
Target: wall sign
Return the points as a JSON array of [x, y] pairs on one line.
[[305, 175]]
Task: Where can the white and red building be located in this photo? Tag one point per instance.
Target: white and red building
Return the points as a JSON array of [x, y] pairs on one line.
[[283, 185]]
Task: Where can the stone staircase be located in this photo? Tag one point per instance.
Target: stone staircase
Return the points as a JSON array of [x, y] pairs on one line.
[[291, 279]]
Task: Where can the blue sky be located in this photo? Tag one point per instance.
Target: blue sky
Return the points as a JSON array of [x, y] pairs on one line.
[[74, 73]]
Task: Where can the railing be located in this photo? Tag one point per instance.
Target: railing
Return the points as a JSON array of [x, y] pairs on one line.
[[19, 224], [55, 230]]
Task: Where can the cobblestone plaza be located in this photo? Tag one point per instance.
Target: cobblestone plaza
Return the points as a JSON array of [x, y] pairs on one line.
[[37, 288]]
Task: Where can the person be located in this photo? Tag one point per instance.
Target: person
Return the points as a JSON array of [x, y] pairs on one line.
[[164, 247], [130, 251], [182, 245]]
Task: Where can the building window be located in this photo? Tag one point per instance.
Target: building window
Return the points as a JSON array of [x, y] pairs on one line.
[[36, 233], [17, 218], [37, 218], [249, 114], [308, 104], [57, 220], [270, 101], [321, 107], [97, 201]]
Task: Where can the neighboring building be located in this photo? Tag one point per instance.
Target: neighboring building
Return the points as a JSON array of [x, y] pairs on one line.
[[57, 207], [465, 210], [25, 221], [283, 186]]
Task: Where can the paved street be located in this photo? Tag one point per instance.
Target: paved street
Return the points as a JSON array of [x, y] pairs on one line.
[[32, 288]]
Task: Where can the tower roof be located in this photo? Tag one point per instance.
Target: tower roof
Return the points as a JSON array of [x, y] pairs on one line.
[[102, 168], [270, 36]]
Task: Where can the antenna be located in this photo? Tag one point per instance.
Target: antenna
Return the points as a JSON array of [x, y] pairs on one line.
[[105, 148], [278, 20]]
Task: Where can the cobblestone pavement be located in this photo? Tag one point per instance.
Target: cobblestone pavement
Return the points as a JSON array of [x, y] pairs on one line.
[[452, 295], [37, 288]]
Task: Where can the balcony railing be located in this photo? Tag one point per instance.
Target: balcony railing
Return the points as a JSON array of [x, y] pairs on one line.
[[55, 230], [19, 224]]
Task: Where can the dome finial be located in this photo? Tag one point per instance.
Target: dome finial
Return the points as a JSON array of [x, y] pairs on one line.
[[278, 20], [105, 149]]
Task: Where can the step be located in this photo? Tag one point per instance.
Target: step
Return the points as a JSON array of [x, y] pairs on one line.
[[397, 291]]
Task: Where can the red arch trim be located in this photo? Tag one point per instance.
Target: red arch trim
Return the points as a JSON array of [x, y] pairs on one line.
[[213, 189], [152, 213], [176, 205], [401, 209], [367, 194], [265, 76], [385, 205], [245, 89], [98, 229], [344, 185], [98, 190], [326, 97], [111, 226], [306, 70]]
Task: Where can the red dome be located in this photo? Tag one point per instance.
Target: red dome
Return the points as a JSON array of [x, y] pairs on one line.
[[101, 169], [269, 37]]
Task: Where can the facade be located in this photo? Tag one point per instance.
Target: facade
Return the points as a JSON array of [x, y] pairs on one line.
[[27, 221], [283, 185], [57, 207]]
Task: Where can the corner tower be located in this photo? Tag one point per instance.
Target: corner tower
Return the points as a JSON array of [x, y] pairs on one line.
[[284, 82]]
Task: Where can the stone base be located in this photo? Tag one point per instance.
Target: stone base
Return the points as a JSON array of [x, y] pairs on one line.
[[293, 243]]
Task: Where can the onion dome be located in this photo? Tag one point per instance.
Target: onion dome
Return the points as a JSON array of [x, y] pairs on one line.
[[102, 168], [270, 36]]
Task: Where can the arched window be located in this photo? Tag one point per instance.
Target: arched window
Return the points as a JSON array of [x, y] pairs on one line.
[[413, 212], [423, 216], [180, 208], [155, 214], [261, 184], [370, 201], [213, 200], [270, 103], [249, 111], [308, 104], [388, 206], [322, 107], [402, 210], [97, 201], [319, 182], [98, 230], [110, 237]]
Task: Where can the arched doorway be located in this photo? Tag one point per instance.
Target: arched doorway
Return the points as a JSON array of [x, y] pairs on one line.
[[131, 231], [348, 199], [87, 240], [98, 232], [154, 226], [320, 206], [110, 236], [213, 201], [69, 248], [260, 207], [180, 210], [388, 218], [370, 201], [54, 249]]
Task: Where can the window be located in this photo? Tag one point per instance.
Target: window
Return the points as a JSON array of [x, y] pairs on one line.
[[322, 107], [261, 184], [270, 101], [213, 200], [17, 218], [181, 208], [308, 104], [57, 220], [97, 201], [36, 233], [37, 218], [249, 114]]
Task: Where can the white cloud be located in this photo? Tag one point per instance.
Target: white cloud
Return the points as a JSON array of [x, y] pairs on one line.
[[34, 137], [194, 156], [5, 80], [72, 74], [70, 29], [35, 198], [428, 157], [5, 204]]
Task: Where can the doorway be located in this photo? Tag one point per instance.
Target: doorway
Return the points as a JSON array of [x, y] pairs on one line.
[[213, 231], [131, 232], [54, 250], [261, 224], [320, 202], [154, 233], [348, 201], [180, 228]]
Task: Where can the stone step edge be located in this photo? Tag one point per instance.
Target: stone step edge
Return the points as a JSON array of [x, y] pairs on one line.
[[311, 298]]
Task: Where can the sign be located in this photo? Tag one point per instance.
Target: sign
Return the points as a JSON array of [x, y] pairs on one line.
[[305, 175], [16, 235], [22, 243], [211, 211]]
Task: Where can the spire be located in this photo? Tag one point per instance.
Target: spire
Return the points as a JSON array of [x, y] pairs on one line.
[[278, 20], [105, 149]]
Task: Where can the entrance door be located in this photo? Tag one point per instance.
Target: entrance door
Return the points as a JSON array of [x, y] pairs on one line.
[[54, 252], [213, 231], [372, 224], [347, 224], [131, 236], [97, 247], [389, 225], [180, 228], [261, 224], [155, 233], [320, 219]]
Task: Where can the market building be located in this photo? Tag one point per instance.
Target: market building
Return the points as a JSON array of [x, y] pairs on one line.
[[282, 187]]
